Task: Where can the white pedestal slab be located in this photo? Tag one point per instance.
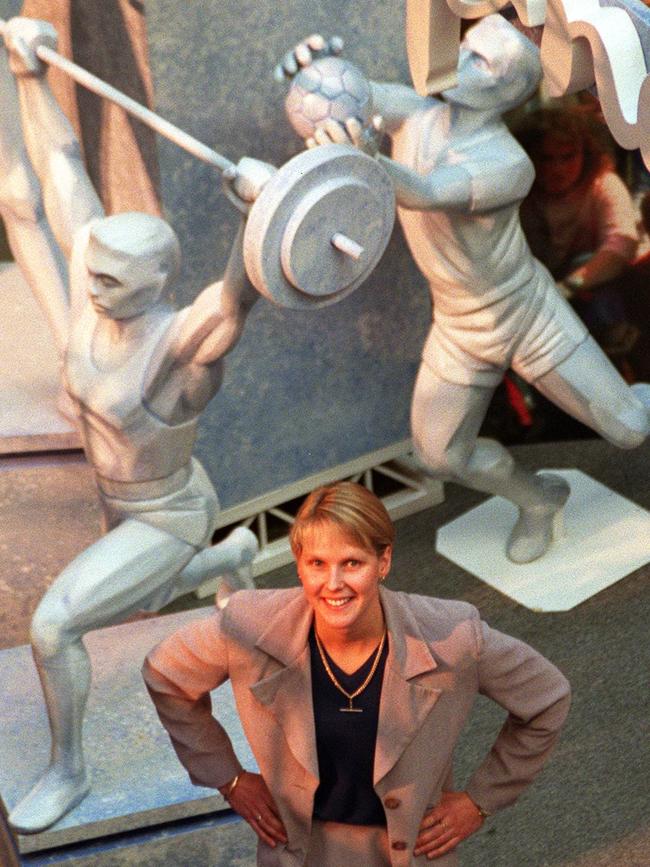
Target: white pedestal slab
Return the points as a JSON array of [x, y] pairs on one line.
[[29, 374], [137, 780], [605, 538]]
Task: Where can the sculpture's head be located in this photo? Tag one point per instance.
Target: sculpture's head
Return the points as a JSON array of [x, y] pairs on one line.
[[130, 258], [498, 67]]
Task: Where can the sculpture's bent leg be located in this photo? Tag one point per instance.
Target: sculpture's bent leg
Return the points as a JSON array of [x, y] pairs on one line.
[[231, 559], [130, 568], [587, 386], [446, 419]]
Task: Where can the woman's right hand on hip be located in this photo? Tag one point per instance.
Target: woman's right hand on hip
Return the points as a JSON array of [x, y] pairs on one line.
[[253, 801]]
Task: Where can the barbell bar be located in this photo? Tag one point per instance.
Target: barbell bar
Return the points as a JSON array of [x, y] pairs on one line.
[[294, 243]]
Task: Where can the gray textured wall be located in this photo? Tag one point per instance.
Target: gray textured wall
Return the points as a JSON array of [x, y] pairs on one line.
[[303, 390]]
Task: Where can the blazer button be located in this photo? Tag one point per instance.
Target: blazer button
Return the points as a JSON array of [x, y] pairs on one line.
[[399, 845], [392, 803]]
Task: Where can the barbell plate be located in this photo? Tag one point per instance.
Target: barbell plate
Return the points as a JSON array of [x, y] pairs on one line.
[[320, 192], [309, 260]]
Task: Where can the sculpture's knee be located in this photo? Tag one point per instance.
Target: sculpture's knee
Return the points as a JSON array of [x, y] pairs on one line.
[[626, 425], [20, 194], [48, 633], [443, 462], [490, 458]]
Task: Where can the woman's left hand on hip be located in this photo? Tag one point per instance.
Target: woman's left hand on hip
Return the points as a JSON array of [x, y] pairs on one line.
[[454, 818]]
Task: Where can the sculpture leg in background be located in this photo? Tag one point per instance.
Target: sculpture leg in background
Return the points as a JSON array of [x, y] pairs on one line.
[[588, 387], [446, 418]]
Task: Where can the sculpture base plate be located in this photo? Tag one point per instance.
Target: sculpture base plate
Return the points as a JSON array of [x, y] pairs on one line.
[[137, 782], [605, 538]]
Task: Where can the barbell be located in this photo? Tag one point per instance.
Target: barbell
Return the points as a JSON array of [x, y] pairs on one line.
[[318, 227]]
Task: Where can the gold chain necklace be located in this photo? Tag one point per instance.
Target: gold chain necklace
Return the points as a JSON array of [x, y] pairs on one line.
[[350, 695]]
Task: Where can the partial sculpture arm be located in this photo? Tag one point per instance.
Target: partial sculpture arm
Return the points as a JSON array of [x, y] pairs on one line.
[[536, 696], [395, 103], [446, 187], [212, 325], [21, 208], [485, 171], [186, 370], [179, 674], [69, 197], [214, 322]]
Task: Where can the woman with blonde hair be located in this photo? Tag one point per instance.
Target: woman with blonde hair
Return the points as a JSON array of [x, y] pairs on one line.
[[352, 697]]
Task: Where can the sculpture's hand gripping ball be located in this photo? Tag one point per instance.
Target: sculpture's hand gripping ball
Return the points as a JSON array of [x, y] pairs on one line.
[[317, 228]]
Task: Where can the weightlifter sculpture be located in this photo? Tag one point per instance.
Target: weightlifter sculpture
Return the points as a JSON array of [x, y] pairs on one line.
[[138, 373], [459, 177]]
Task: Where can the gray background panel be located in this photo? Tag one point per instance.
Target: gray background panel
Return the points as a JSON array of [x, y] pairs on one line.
[[303, 390]]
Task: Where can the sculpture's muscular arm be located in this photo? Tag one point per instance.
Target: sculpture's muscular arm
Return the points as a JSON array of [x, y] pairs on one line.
[[188, 370], [21, 208], [446, 187], [69, 198], [491, 173], [214, 322], [395, 103]]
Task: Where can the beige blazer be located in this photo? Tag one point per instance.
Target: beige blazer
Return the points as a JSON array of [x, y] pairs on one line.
[[440, 657]]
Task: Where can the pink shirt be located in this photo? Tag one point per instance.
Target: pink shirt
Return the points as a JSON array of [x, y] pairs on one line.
[[602, 217]]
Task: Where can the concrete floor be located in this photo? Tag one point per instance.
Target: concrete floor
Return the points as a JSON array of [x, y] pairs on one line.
[[588, 809]]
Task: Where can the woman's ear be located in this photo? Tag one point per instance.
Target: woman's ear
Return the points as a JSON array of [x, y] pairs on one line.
[[385, 559]]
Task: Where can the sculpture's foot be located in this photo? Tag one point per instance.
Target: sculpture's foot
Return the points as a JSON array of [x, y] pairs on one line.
[[241, 577], [55, 794], [537, 525]]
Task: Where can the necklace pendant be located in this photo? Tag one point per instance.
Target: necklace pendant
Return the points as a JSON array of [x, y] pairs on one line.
[[351, 709]]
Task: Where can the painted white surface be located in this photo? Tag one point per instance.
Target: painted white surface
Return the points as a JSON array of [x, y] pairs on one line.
[[29, 376], [605, 538]]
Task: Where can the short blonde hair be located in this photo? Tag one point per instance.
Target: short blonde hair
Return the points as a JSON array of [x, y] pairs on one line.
[[354, 509]]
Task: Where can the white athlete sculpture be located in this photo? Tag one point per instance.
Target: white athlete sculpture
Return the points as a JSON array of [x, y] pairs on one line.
[[138, 373], [459, 178]]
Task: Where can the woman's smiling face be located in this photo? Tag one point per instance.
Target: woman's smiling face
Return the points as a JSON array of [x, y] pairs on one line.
[[340, 579]]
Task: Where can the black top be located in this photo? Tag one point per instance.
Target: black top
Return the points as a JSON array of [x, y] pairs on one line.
[[345, 742]]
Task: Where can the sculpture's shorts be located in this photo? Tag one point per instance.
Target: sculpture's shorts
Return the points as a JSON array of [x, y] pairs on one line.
[[532, 330], [189, 513]]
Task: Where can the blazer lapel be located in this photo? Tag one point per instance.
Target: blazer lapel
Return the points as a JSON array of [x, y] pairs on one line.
[[406, 699], [286, 692]]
